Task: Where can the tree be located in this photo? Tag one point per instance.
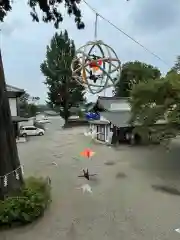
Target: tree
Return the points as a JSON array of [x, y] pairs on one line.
[[159, 99], [176, 67], [32, 109], [63, 91], [152, 101], [134, 72], [27, 105], [9, 159], [50, 10]]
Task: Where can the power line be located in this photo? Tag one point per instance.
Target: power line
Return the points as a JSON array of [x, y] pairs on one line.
[[124, 33]]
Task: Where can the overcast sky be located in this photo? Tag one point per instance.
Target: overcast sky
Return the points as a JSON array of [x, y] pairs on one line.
[[154, 23]]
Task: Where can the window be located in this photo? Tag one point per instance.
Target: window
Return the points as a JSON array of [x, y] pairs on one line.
[[30, 128]]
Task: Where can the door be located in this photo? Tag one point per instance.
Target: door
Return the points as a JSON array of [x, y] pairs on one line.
[[34, 131], [103, 133], [31, 131]]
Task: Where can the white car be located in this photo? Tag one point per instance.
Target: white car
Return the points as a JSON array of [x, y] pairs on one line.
[[31, 131], [43, 121]]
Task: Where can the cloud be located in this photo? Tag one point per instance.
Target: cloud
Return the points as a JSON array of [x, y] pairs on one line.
[[154, 16], [7, 29]]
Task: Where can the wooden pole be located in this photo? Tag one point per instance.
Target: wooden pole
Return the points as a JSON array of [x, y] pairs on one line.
[[9, 159]]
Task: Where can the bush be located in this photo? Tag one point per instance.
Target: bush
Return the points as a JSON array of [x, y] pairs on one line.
[[33, 199], [81, 114]]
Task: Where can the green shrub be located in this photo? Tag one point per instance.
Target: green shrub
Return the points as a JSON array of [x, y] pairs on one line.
[[33, 199], [81, 114]]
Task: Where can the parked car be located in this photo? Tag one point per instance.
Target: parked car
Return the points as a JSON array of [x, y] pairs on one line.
[[43, 120], [31, 131]]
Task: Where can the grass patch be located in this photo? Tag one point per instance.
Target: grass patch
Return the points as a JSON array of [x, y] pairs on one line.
[[30, 203]]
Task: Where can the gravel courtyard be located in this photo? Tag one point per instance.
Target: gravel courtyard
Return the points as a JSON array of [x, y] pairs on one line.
[[126, 203]]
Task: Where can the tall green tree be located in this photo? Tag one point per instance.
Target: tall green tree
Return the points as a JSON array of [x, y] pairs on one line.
[[133, 73], [152, 101], [63, 91], [176, 67]]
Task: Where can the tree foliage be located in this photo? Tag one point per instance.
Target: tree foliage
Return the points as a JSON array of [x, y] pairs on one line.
[[176, 67], [52, 10], [27, 105], [35, 197], [63, 91], [158, 100], [134, 72], [152, 100]]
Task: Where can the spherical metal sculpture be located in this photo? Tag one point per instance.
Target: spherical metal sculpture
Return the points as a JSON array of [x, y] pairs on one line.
[[96, 66]]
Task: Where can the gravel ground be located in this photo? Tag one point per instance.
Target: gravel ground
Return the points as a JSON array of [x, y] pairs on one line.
[[129, 200]]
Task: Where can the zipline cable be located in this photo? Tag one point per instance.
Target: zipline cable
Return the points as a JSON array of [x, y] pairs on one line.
[[124, 33], [96, 22]]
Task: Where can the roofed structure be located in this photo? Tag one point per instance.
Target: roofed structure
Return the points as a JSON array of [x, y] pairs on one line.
[[14, 91], [114, 103]]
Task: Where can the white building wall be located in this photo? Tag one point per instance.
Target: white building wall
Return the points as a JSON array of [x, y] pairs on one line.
[[120, 106], [30, 122], [102, 118], [13, 106]]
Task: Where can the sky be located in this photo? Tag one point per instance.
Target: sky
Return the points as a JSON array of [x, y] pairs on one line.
[[155, 24]]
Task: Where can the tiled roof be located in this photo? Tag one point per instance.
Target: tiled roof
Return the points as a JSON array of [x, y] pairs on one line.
[[114, 103], [99, 122], [112, 98], [19, 119], [10, 88]]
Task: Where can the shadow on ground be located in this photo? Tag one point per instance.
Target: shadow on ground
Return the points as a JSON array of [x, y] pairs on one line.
[[110, 163], [158, 162], [121, 175], [166, 189], [94, 180]]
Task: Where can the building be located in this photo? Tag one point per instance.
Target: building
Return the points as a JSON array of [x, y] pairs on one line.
[[102, 128], [115, 115], [13, 95]]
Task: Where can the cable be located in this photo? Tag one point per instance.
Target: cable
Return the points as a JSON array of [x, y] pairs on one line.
[[120, 30], [95, 33]]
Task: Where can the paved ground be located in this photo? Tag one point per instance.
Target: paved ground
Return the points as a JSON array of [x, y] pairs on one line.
[[123, 206]]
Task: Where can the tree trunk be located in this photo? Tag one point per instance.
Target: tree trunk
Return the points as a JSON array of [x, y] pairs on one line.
[[66, 114], [9, 159], [66, 121]]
